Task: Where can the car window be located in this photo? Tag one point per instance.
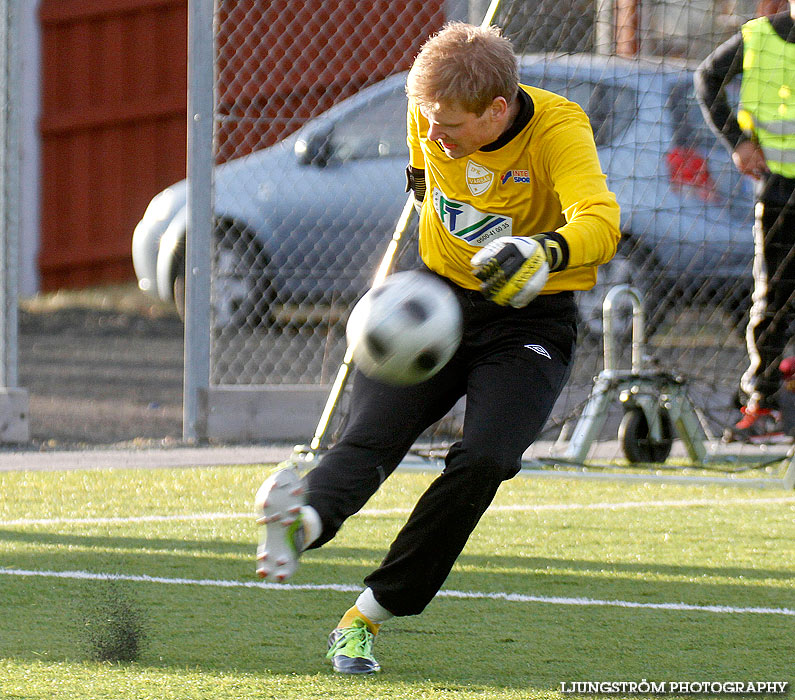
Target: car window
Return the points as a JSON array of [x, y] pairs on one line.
[[610, 108], [689, 128], [376, 129]]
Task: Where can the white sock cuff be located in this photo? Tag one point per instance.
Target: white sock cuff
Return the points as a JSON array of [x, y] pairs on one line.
[[312, 525], [371, 608]]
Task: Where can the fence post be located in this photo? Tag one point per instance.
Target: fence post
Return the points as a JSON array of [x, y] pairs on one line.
[[201, 61], [13, 400]]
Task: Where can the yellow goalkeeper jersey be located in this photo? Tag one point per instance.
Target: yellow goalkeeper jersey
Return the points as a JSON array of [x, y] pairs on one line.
[[546, 177]]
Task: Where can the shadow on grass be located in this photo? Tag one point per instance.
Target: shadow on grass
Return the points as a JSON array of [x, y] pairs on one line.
[[279, 636], [158, 552], [281, 633]]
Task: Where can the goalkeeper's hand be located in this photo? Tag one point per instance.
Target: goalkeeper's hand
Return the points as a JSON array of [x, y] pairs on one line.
[[514, 269]]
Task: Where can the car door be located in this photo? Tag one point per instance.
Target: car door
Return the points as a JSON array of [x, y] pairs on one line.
[[344, 198]]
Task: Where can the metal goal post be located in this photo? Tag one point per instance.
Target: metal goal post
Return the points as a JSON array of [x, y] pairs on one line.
[[13, 399]]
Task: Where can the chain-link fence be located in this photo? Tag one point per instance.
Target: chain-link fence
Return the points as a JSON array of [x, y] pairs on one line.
[[310, 142], [310, 153], [13, 400]]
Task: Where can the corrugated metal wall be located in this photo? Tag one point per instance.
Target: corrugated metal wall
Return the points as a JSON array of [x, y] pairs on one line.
[[113, 129]]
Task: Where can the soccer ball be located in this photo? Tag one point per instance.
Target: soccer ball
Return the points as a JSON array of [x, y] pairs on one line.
[[406, 329]]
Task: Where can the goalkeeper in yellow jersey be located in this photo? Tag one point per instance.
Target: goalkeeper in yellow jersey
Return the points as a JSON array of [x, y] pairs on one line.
[[515, 216]]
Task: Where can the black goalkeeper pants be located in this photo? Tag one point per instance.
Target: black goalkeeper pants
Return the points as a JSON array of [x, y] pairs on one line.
[[512, 365]]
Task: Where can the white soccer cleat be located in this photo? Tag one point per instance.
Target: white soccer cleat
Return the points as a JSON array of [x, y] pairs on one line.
[[281, 532]]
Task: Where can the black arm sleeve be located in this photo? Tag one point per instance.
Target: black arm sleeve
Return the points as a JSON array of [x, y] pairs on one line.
[[415, 182], [711, 77]]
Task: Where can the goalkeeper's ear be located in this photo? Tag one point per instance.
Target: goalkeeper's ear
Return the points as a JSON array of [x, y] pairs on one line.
[[415, 182]]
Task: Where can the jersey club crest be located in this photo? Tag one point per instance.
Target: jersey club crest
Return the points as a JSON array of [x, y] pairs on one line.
[[479, 179]]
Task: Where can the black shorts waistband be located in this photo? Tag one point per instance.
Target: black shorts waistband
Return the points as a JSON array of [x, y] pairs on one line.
[[558, 303]]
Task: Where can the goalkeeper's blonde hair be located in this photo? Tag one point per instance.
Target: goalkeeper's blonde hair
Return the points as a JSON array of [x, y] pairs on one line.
[[464, 65]]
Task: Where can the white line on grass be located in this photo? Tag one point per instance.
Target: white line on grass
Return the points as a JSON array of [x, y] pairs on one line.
[[344, 588], [128, 519], [374, 512], [693, 503]]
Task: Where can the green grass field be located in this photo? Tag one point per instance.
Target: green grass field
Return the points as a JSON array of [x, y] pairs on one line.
[[563, 581]]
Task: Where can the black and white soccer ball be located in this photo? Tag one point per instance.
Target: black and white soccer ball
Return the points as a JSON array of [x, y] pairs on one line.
[[406, 329]]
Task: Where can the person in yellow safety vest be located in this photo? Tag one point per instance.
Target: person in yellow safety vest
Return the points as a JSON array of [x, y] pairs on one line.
[[760, 135]]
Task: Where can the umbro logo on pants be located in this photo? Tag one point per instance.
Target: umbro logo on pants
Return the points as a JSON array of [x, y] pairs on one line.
[[540, 349]]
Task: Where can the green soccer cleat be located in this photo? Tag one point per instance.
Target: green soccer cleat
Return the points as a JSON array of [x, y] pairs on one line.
[[281, 540], [351, 649]]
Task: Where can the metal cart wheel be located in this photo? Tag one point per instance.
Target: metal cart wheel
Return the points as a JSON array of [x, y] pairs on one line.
[[638, 445]]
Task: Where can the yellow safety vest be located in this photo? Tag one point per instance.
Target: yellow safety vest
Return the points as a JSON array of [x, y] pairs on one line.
[[767, 94]]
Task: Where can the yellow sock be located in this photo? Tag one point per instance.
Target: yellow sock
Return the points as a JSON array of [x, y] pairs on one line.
[[348, 618]]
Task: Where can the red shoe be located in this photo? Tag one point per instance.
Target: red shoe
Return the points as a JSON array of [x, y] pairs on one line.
[[757, 426]]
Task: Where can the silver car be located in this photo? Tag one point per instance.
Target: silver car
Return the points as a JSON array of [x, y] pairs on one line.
[[304, 223]]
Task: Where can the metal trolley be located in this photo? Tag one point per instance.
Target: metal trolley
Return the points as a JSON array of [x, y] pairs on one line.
[[657, 410], [656, 405]]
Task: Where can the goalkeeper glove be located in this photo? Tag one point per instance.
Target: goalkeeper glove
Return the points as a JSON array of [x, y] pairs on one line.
[[514, 269]]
